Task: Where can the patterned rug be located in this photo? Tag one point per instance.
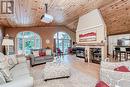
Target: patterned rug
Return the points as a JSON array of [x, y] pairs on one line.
[[77, 79]]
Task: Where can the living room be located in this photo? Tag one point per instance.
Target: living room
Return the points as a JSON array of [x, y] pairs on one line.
[[66, 43]]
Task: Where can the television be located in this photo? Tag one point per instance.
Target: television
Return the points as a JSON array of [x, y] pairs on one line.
[[123, 42]]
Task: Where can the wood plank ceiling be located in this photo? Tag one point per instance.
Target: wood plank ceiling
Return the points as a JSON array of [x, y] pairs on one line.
[[117, 17], [116, 13], [65, 12]]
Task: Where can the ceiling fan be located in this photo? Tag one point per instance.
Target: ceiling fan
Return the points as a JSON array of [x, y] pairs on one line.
[[46, 17]]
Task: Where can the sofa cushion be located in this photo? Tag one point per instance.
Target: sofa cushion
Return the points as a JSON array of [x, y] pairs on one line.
[[10, 62], [2, 57], [21, 60], [48, 52], [22, 82], [36, 53], [13, 57], [43, 58], [4, 69], [19, 68], [48, 57], [101, 84], [6, 74], [40, 58], [122, 69], [2, 79], [3, 65], [20, 73], [42, 53]]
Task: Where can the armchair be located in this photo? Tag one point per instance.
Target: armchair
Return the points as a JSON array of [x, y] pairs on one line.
[[113, 78]]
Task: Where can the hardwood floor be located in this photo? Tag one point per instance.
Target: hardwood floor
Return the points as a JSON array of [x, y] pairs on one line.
[[91, 69], [87, 68]]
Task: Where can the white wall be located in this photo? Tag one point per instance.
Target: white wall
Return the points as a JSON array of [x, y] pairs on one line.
[[92, 21], [112, 41]]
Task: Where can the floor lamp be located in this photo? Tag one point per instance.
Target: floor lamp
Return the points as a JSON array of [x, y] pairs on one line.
[[7, 42]]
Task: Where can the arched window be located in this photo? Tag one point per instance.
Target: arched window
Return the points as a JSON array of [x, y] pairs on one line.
[[62, 41], [27, 41]]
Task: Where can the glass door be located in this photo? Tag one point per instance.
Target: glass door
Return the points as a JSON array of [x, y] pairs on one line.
[[63, 41], [27, 41], [66, 45]]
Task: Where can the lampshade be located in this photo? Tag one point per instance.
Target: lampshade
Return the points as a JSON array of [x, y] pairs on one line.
[[7, 42]]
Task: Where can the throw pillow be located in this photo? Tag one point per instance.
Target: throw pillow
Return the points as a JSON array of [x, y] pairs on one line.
[[4, 69], [6, 74], [10, 62], [36, 53], [3, 65], [48, 52], [2, 79], [2, 57], [101, 84], [122, 69], [42, 53], [14, 59]]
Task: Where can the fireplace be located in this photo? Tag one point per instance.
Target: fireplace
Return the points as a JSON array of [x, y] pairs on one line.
[[92, 35], [80, 52], [96, 55]]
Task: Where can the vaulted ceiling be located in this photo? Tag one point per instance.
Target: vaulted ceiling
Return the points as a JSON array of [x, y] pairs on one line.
[[116, 13], [65, 12], [117, 17]]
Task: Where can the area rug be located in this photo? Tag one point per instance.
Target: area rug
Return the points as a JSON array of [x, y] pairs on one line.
[[77, 79]]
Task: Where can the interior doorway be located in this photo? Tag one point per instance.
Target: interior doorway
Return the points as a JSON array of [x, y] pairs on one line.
[[62, 41]]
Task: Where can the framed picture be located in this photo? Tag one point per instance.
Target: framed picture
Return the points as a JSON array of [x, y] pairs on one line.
[[88, 36]]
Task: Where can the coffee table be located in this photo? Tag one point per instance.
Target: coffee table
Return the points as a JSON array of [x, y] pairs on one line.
[[56, 70]]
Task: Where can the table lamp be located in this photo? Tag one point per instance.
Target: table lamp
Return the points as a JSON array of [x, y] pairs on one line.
[[7, 42]]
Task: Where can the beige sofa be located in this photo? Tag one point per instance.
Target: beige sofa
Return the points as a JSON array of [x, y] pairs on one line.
[[20, 74], [113, 78]]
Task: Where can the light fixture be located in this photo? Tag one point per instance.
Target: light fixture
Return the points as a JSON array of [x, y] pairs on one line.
[[46, 17], [47, 42], [7, 42]]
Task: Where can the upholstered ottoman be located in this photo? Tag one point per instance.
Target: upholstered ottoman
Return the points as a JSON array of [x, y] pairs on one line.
[[54, 70]]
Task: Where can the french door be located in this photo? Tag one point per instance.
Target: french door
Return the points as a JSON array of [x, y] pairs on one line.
[[62, 41], [63, 45], [27, 41]]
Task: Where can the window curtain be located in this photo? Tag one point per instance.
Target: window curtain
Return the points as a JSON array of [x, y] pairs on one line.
[[54, 46]]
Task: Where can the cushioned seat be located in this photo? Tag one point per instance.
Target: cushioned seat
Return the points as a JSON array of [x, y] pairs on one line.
[[20, 74], [21, 82], [110, 75], [20, 66]]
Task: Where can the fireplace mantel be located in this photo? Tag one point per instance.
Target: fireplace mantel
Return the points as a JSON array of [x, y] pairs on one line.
[[91, 44]]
